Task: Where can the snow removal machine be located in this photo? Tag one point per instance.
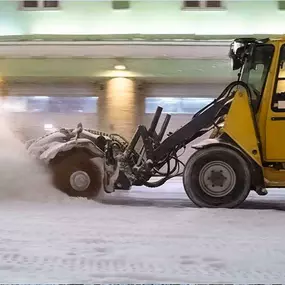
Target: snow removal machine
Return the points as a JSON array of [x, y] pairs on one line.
[[245, 150]]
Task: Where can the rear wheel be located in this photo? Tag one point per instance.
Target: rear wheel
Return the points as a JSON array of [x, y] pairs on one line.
[[216, 177], [76, 175]]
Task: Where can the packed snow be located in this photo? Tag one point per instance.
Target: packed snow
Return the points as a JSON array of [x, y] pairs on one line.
[[142, 236]]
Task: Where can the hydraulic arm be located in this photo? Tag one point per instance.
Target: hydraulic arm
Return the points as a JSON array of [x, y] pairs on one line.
[[156, 153]]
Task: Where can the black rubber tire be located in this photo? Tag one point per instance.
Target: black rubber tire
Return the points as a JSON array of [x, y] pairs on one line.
[[67, 163], [195, 164]]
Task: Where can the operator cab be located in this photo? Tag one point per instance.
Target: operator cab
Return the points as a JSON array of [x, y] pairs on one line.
[[262, 68], [253, 57]]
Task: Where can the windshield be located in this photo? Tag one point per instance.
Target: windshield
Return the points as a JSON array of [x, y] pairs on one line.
[[256, 68]]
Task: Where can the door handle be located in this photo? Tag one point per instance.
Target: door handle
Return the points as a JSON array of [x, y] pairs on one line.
[[277, 118]]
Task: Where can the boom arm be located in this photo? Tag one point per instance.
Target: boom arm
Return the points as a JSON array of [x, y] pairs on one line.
[[155, 153], [192, 130]]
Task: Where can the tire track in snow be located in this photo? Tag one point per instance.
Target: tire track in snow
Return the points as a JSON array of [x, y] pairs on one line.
[[68, 253], [133, 270]]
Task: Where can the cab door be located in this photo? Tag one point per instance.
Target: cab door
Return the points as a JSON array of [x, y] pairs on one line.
[[275, 124]]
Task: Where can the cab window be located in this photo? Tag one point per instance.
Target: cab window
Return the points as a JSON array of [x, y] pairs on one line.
[[278, 100]]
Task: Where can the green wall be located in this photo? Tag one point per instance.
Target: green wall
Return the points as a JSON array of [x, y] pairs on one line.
[[170, 69], [145, 17]]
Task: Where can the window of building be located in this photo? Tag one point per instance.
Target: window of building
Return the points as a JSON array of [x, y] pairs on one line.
[[46, 104], [281, 5], [39, 5], [30, 4], [202, 4], [14, 104], [72, 105], [176, 105], [51, 4], [120, 5]]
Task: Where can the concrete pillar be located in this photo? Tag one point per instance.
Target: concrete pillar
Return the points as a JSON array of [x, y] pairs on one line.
[[3, 90], [3, 87], [119, 107]]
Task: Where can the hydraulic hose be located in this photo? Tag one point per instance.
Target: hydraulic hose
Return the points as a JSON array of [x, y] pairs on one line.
[[225, 93]]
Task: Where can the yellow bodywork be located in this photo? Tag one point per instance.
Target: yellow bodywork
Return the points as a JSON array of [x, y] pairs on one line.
[[239, 125]]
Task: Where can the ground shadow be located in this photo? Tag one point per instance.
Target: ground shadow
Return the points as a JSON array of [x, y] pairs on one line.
[[264, 204], [149, 202], [250, 204]]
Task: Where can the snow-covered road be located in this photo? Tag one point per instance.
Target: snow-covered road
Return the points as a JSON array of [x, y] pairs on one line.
[[145, 235], [137, 238]]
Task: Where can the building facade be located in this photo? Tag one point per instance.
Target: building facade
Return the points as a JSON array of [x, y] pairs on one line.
[[103, 17], [108, 64]]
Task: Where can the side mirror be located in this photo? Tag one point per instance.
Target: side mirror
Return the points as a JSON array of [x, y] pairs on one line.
[[236, 63], [237, 54]]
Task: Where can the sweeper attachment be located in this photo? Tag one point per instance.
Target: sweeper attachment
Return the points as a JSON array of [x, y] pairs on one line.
[[245, 150]]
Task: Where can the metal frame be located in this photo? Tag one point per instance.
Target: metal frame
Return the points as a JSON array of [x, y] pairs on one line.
[[155, 153]]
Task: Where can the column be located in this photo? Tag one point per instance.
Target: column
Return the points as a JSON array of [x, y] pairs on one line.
[[119, 107]]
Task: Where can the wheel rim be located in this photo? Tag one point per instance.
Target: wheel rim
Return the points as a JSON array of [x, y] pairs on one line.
[[79, 180], [217, 179]]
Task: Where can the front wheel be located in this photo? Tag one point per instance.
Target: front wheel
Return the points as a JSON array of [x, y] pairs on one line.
[[216, 177]]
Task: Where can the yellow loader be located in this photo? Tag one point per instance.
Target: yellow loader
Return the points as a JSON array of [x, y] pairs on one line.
[[245, 151]]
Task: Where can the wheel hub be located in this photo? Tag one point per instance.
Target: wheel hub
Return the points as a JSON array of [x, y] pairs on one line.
[[217, 179], [79, 180]]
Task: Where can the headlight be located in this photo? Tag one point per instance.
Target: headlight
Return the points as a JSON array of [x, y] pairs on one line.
[[236, 46], [236, 55], [232, 63]]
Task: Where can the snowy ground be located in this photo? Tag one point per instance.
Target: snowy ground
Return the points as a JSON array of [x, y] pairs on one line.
[[139, 239], [141, 236]]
